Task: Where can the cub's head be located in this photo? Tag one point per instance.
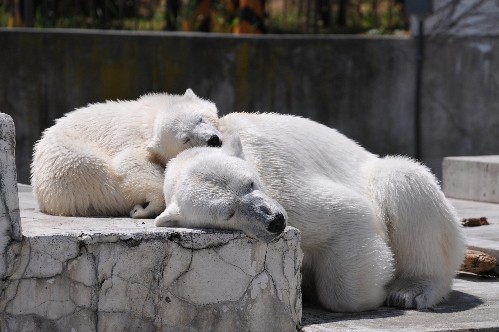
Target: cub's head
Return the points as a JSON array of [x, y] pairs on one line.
[[184, 121], [217, 188]]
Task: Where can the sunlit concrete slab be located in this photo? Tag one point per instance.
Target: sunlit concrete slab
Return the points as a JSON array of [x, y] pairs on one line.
[[474, 178]]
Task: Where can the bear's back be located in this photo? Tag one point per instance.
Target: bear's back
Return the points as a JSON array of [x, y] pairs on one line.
[[304, 146], [106, 125], [270, 140]]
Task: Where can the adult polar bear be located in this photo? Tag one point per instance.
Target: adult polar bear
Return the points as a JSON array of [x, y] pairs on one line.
[[374, 230], [108, 158]]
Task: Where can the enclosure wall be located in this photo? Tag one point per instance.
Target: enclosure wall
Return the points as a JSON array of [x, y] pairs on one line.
[[362, 86]]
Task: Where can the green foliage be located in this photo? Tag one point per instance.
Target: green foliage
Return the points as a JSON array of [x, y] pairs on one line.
[[4, 16], [290, 22], [284, 16], [361, 16]]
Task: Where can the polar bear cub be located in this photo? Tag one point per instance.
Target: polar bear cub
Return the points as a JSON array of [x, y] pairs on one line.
[[216, 188], [374, 230], [108, 158]]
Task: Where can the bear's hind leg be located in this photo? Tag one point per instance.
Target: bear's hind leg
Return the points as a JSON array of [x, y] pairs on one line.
[[347, 264], [142, 182], [422, 228], [419, 293], [72, 178]]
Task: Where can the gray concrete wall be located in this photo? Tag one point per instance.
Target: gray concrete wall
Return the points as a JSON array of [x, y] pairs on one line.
[[460, 98], [362, 86]]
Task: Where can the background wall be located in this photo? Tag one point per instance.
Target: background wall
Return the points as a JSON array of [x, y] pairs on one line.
[[363, 86], [460, 98]]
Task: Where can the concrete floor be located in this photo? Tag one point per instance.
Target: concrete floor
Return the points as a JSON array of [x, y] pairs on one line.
[[473, 305]]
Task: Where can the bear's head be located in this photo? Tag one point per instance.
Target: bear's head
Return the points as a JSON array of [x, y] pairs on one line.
[[217, 188], [184, 121]]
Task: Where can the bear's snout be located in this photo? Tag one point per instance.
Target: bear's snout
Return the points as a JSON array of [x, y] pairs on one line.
[[263, 217], [214, 141], [277, 224]]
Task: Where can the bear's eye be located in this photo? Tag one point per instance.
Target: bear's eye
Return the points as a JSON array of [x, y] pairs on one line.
[[231, 214], [200, 120], [250, 185]]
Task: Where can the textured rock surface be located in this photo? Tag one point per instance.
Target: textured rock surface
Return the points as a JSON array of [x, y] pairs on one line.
[[478, 262], [100, 274], [175, 280], [10, 230]]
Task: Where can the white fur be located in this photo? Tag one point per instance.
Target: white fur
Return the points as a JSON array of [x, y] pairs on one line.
[[108, 158], [374, 230]]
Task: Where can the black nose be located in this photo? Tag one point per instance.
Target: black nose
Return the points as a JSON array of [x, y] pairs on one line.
[[214, 141], [277, 224]]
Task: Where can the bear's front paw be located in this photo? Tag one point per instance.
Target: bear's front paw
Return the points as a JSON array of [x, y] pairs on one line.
[[140, 211]]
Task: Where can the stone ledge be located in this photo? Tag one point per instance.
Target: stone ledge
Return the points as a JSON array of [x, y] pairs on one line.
[[10, 227], [96, 274], [473, 178]]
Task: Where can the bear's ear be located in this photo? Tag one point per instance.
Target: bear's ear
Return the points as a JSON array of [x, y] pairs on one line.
[[168, 218], [190, 93], [232, 145], [153, 146]]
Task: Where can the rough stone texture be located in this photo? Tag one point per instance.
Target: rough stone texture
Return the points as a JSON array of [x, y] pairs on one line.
[[121, 274], [10, 226], [472, 178], [478, 262]]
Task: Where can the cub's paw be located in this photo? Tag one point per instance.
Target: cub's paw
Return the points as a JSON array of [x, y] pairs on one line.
[[141, 211], [409, 293]]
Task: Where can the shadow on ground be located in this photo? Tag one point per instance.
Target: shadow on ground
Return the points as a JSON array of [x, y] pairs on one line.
[[458, 301], [313, 314]]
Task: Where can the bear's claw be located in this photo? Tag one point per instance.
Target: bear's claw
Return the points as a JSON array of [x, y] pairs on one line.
[[140, 211], [420, 294]]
